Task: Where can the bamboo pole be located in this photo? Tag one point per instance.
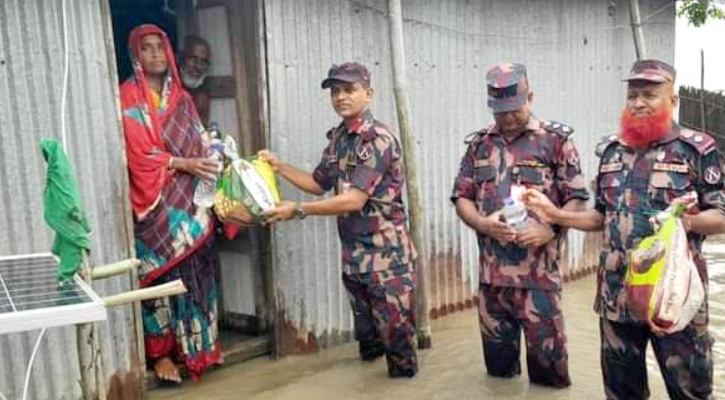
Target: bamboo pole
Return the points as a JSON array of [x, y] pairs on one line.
[[107, 271], [395, 19], [637, 32], [153, 292], [90, 356], [703, 122]]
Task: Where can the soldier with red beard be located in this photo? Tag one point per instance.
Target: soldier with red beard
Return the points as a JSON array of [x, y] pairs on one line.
[[648, 165]]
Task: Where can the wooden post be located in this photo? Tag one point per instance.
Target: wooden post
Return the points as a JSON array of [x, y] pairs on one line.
[[636, 21], [395, 19], [703, 123], [121, 203], [90, 355]]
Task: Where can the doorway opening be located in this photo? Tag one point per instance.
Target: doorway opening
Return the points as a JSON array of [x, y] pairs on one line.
[[230, 27]]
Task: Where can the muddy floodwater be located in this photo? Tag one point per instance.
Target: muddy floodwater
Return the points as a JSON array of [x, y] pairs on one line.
[[453, 368]]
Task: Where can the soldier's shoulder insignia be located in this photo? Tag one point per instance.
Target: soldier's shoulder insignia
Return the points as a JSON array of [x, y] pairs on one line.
[[381, 129], [702, 142], [474, 137], [560, 129], [604, 143], [384, 132]]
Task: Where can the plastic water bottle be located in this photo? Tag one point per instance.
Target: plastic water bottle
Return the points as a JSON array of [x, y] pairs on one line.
[[213, 145], [216, 146], [515, 213]]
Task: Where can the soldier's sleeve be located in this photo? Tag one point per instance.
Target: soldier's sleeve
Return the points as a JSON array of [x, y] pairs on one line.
[[323, 172], [465, 186], [711, 183], [570, 181], [370, 170], [601, 148], [599, 203]]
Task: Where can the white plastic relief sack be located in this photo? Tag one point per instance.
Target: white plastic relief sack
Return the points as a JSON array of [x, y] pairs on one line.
[[663, 284], [680, 292]]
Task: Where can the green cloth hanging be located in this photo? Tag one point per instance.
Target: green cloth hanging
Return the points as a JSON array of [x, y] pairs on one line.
[[63, 211]]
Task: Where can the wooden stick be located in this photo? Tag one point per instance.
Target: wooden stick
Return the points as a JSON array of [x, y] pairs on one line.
[[703, 123], [153, 292], [395, 23], [636, 22], [106, 271]]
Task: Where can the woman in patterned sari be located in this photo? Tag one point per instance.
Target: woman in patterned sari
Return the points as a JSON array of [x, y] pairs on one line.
[[174, 238]]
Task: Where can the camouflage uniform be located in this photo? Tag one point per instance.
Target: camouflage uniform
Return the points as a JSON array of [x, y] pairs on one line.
[[521, 287], [377, 251], [631, 186]]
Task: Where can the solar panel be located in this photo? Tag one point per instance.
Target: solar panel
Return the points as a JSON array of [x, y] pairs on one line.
[[32, 298]]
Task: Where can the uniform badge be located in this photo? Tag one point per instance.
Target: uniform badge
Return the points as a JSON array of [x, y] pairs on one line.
[[364, 151], [530, 163], [671, 167], [573, 158], [610, 167], [712, 175]]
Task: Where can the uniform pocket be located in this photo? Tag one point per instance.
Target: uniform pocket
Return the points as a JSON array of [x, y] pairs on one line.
[[486, 190], [484, 174], [666, 186], [610, 187], [531, 177]]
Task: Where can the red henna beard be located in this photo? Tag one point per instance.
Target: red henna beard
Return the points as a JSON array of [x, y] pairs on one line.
[[642, 131]]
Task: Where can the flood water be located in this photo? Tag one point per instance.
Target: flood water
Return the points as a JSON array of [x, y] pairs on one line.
[[453, 368]]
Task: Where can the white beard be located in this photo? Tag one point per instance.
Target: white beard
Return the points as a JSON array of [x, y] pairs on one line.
[[190, 82]]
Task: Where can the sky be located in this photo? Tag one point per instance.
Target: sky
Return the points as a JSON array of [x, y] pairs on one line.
[[688, 41]]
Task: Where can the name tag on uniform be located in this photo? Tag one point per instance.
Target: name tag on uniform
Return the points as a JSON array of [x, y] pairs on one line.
[[530, 164], [670, 167], [482, 163], [610, 167]]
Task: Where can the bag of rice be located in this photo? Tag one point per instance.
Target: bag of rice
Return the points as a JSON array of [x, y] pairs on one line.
[[663, 285], [245, 190]]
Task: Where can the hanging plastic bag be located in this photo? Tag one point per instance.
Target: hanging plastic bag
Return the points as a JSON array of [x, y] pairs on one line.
[[245, 190], [663, 285]]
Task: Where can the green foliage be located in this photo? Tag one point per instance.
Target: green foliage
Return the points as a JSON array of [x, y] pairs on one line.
[[698, 11]]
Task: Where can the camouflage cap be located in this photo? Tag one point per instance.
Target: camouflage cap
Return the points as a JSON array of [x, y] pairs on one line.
[[508, 87], [349, 72], [652, 71]]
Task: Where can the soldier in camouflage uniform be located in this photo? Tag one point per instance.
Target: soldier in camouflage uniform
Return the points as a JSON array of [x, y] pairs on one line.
[[520, 286], [364, 165], [642, 170]]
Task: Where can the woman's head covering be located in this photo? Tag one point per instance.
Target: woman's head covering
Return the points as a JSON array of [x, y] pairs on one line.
[[143, 122], [172, 83]]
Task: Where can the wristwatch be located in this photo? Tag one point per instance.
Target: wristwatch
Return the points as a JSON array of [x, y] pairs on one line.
[[299, 212]]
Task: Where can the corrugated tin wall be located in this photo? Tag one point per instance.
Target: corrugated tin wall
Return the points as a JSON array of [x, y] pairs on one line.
[[31, 71], [576, 52]]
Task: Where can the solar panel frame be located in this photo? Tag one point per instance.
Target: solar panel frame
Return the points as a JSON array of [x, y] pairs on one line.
[[18, 317]]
